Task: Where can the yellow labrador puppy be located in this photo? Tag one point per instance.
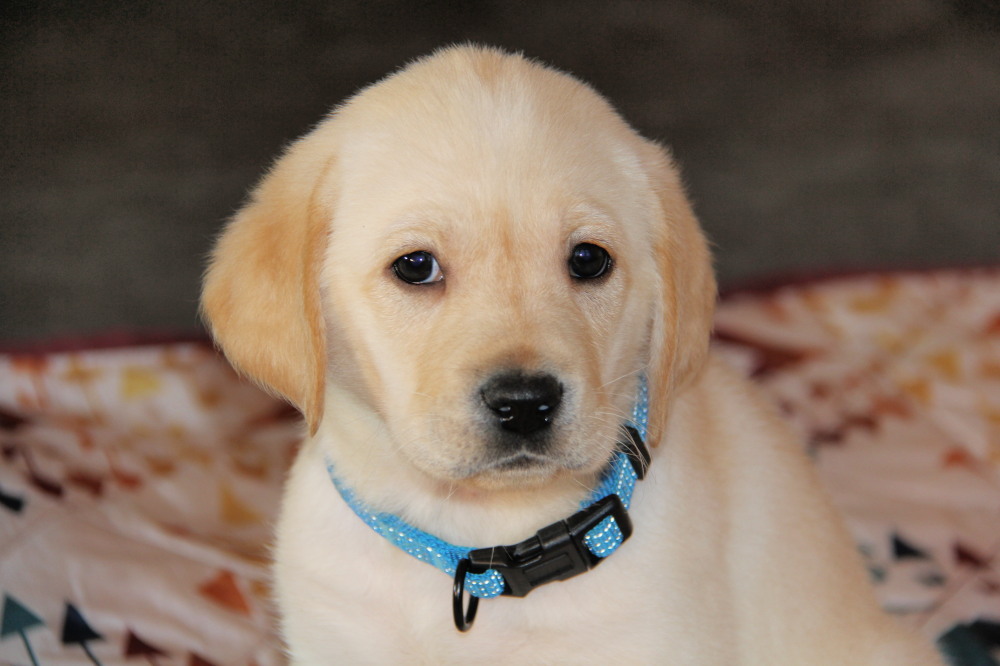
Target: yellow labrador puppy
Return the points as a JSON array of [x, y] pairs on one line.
[[486, 292]]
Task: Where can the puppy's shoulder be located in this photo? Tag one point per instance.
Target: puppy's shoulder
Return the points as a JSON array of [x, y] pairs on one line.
[[727, 410]]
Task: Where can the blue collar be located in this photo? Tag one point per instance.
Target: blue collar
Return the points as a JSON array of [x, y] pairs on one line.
[[558, 551]]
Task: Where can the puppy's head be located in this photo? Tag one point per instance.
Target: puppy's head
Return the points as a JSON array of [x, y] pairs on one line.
[[486, 255]]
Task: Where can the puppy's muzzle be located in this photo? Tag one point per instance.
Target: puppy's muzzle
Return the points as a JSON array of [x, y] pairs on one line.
[[522, 404]]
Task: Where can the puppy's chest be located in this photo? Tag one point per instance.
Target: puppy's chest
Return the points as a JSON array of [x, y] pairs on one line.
[[638, 605], [602, 616]]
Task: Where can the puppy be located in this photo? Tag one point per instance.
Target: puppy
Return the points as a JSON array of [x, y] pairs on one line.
[[482, 288]]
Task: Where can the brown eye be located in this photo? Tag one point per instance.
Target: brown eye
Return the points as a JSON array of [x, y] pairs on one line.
[[417, 268], [589, 261]]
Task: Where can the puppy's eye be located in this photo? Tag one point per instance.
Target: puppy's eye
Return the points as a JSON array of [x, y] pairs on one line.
[[418, 268], [589, 261]]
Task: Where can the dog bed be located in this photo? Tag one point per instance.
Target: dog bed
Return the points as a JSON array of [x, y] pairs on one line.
[[139, 484]]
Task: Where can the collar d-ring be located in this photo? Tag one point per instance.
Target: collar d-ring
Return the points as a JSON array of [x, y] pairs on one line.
[[463, 618]]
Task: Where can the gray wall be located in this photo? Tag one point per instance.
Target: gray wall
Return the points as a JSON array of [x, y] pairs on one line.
[[813, 138]]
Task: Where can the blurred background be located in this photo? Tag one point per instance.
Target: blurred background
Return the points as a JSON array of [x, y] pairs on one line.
[[814, 136]]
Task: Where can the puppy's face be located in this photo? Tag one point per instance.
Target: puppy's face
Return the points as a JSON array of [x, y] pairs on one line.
[[491, 273], [492, 306]]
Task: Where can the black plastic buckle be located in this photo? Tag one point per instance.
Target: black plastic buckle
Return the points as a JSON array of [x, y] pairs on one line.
[[555, 552]]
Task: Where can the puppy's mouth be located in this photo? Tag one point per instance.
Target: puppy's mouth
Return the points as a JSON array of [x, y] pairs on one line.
[[521, 461], [523, 468]]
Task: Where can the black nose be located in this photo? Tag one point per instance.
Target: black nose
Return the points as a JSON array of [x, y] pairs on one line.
[[522, 403]]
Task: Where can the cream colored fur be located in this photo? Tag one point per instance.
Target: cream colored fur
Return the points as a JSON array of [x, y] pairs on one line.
[[499, 167]]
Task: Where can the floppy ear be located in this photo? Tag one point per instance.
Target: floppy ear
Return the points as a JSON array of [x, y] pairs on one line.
[[261, 295], [683, 315]]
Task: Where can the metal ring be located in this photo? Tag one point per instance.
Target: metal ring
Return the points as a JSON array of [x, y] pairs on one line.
[[463, 618]]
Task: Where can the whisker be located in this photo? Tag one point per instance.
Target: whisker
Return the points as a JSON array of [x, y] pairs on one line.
[[618, 379]]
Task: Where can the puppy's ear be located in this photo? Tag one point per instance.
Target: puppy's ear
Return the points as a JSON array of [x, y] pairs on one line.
[[683, 315], [261, 295]]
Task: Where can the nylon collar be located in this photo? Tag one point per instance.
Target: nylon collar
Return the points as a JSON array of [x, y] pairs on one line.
[[558, 551]]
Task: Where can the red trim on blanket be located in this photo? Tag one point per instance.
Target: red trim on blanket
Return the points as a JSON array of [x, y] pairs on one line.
[[767, 284], [112, 339]]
